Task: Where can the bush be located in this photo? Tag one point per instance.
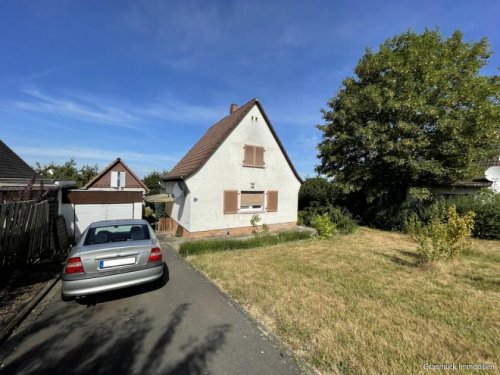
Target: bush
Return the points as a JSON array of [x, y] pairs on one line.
[[323, 225], [446, 236], [224, 244], [486, 206], [344, 223]]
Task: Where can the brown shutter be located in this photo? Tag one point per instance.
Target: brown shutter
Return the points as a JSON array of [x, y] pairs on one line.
[[248, 158], [230, 201], [259, 156], [272, 201], [252, 199]]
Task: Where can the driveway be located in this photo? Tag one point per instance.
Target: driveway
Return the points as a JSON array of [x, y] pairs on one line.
[[186, 327]]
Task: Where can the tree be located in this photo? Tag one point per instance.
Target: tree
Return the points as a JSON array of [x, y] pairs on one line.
[[67, 171], [416, 113], [316, 191], [154, 182]]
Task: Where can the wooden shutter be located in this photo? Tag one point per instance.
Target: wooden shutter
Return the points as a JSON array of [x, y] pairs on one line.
[[252, 198], [114, 179], [259, 156], [249, 152], [272, 201], [230, 201]]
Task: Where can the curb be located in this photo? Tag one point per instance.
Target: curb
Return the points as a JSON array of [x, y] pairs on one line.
[[7, 331]]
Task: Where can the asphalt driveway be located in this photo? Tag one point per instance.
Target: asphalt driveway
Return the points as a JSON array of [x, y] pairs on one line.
[[186, 327]]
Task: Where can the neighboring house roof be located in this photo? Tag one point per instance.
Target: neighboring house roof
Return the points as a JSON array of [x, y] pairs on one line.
[[199, 154], [480, 181], [92, 182], [12, 166]]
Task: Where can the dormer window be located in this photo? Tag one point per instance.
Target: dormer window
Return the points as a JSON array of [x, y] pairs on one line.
[[118, 179], [253, 156]]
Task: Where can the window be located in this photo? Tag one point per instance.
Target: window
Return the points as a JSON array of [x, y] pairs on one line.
[[253, 156], [118, 179], [252, 201], [117, 233]]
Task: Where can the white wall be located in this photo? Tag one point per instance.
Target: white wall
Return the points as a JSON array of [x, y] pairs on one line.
[[224, 171], [181, 205]]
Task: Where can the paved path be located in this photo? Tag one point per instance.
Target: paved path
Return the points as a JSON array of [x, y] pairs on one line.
[[186, 327]]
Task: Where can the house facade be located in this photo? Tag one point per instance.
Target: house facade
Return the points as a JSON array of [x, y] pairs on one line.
[[115, 193], [237, 169]]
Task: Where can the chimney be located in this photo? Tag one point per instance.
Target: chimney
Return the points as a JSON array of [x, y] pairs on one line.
[[233, 108]]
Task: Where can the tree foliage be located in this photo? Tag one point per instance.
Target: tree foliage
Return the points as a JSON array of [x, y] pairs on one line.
[[154, 182], [67, 171], [315, 191], [417, 112]]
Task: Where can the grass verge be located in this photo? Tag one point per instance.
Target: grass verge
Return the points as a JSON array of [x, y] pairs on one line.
[[224, 244], [360, 304]]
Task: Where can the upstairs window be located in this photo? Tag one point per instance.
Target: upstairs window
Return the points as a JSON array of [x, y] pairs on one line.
[[118, 179], [253, 156]]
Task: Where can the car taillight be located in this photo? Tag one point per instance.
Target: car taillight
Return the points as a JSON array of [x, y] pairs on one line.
[[74, 265], [155, 255]]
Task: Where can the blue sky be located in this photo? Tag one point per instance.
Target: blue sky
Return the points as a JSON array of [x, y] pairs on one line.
[[143, 80]]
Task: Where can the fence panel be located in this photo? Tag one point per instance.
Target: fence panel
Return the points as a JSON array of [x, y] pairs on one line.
[[24, 233]]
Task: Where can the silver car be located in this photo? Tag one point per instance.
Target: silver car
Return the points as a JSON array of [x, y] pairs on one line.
[[112, 255]]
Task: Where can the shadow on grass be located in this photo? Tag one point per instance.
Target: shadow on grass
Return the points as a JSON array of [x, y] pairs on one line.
[[70, 341], [414, 261], [481, 282]]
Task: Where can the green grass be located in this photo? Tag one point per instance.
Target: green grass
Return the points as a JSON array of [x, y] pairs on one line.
[[361, 303], [215, 245]]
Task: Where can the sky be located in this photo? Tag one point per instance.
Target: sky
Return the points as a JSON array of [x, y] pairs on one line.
[[143, 80]]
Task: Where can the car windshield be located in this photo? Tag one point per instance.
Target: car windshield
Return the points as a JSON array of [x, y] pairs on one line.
[[117, 233]]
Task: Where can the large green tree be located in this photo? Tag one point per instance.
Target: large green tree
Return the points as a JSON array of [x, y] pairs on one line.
[[417, 112], [154, 182], [67, 171]]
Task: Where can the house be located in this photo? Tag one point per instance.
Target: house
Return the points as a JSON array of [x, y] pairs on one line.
[[237, 169], [16, 177], [474, 185], [115, 193]]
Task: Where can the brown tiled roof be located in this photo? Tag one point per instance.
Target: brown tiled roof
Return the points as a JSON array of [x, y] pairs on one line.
[[111, 165], [480, 181], [12, 166], [198, 155]]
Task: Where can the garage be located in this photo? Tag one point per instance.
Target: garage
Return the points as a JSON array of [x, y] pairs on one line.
[[82, 207]]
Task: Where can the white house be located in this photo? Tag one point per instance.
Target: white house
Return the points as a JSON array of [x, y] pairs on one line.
[[115, 193], [237, 169]]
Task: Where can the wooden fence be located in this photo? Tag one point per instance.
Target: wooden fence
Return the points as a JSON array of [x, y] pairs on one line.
[[24, 233]]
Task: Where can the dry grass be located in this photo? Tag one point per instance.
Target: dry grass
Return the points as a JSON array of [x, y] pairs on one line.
[[359, 304]]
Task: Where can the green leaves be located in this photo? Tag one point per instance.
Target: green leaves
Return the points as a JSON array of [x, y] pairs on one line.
[[417, 112]]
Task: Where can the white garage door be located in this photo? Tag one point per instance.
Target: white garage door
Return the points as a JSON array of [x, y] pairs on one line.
[[85, 214]]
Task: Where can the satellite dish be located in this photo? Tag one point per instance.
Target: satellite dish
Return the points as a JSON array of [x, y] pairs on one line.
[[492, 174]]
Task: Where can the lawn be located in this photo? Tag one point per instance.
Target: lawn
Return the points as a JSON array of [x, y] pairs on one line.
[[359, 304]]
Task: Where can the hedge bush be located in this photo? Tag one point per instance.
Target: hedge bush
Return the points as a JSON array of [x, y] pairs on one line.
[[340, 217]]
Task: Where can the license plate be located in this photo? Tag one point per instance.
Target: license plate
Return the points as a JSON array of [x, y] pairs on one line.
[[116, 262]]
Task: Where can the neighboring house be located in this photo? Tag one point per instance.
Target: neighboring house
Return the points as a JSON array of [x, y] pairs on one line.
[[237, 169], [472, 186], [115, 193], [16, 175]]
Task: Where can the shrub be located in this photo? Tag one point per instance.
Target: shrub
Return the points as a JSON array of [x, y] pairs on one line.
[[225, 244], [323, 225], [446, 236], [342, 218], [486, 206]]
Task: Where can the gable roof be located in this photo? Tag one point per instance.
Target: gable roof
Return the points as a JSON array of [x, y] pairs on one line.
[[108, 168], [199, 154], [12, 166]]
